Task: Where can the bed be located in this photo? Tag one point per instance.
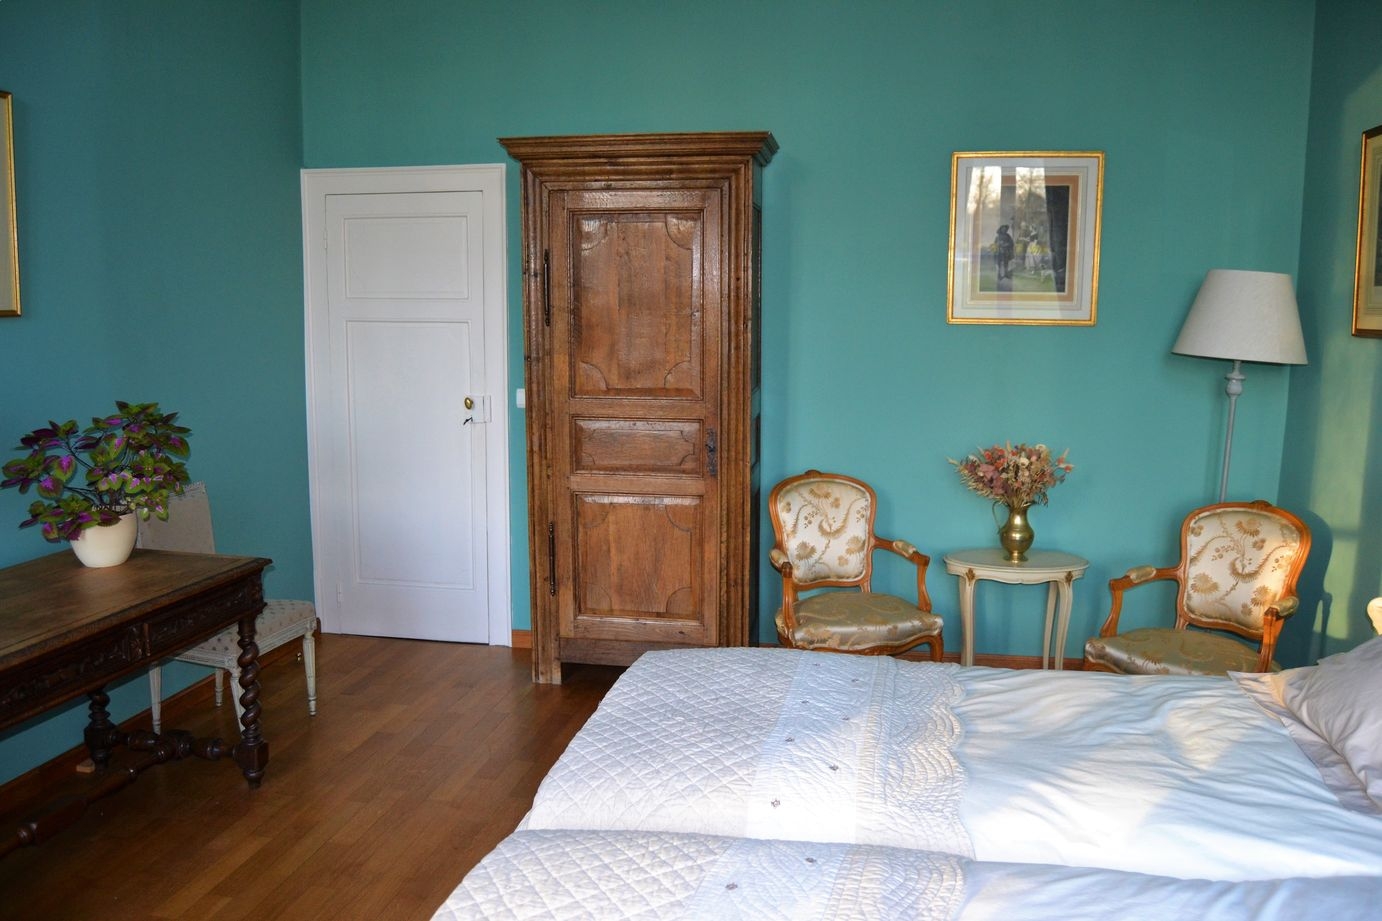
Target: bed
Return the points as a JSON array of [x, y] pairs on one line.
[[975, 791], [1016, 766]]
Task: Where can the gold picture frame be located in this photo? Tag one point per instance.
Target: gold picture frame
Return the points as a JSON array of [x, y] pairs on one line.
[[1367, 273], [9, 234], [1024, 237]]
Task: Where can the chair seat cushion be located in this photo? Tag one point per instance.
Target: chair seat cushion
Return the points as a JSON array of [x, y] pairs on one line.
[[279, 622], [1156, 651], [857, 621]]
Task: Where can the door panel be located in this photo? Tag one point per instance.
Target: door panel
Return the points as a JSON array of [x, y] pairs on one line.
[[636, 282], [396, 257], [391, 401]]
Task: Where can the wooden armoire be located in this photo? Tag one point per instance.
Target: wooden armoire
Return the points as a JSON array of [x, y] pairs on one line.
[[641, 334]]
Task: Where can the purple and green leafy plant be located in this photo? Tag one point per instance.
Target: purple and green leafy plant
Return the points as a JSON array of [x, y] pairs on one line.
[[122, 463]]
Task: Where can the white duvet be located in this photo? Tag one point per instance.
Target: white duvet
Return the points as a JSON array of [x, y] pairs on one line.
[[1167, 776], [659, 876]]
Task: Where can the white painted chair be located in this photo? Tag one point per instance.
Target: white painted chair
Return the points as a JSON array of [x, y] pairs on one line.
[[188, 529]]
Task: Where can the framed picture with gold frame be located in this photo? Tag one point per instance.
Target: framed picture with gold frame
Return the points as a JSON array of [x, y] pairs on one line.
[[9, 235], [1367, 277], [1024, 237]]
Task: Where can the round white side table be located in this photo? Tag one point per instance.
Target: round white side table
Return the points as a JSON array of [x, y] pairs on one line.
[[1059, 570]]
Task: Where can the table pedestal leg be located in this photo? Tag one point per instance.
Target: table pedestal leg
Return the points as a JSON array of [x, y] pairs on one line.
[[1051, 591], [252, 752], [1064, 591], [967, 581]]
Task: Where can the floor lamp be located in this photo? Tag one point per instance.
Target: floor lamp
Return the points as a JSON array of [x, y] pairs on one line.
[[1242, 316]]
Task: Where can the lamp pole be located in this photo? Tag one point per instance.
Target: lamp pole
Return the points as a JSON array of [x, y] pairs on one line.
[[1233, 388]]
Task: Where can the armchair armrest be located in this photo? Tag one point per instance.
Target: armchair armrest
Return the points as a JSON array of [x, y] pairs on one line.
[[1285, 606], [910, 553], [783, 564], [1138, 575], [1272, 621]]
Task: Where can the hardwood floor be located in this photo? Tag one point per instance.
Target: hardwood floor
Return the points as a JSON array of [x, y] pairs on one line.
[[422, 756]]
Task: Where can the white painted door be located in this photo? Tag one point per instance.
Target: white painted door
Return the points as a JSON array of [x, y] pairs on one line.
[[406, 378]]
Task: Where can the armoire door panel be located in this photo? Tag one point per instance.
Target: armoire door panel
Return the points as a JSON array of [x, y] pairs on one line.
[[649, 447], [637, 301], [639, 559], [639, 282]]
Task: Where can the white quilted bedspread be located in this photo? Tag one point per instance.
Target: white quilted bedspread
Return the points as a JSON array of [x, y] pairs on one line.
[[658, 876], [558, 875], [767, 744]]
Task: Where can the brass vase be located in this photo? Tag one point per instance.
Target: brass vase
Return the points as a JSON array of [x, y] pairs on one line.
[[1016, 533]]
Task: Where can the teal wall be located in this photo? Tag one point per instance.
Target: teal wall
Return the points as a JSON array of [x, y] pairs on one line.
[[157, 145], [1332, 465], [1203, 122]]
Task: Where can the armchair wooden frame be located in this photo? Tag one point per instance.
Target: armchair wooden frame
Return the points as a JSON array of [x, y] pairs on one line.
[[791, 588], [1273, 617]]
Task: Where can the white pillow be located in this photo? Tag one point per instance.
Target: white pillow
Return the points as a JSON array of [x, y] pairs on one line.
[[1341, 700]]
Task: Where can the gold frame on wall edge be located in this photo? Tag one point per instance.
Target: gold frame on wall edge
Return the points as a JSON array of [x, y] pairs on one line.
[[1367, 273], [1024, 237], [9, 243]]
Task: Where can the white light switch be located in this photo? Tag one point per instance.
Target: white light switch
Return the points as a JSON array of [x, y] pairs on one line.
[[520, 398]]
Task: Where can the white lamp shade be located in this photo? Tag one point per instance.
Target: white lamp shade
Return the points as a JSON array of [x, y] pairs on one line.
[[1244, 316]]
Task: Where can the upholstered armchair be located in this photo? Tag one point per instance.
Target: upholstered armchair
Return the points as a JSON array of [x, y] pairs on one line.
[[1237, 575], [825, 540]]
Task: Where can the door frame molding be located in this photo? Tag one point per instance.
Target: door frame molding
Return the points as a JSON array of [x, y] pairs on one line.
[[490, 180]]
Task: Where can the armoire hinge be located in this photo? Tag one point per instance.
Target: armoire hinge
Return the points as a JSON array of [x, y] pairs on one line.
[[547, 289], [551, 558]]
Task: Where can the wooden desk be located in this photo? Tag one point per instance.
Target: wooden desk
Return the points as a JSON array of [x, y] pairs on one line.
[[66, 630]]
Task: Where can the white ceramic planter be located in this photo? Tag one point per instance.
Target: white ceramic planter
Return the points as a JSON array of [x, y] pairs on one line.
[[109, 545]]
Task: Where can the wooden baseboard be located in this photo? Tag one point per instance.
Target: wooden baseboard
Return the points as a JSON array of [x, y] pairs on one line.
[[997, 661], [992, 661], [523, 639]]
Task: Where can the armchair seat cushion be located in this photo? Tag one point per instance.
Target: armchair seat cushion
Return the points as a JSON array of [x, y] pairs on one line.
[[858, 622], [1155, 651]]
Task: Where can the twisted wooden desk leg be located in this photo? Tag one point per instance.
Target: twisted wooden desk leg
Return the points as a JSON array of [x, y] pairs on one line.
[[252, 752]]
